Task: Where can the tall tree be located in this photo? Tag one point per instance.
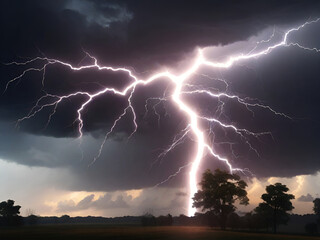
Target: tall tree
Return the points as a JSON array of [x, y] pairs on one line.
[[218, 193], [279, 201]]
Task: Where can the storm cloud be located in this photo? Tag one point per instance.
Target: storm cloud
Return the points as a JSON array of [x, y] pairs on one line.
[[147, 36]]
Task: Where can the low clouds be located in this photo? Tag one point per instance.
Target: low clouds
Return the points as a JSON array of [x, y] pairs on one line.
[[306, 198], [104, 202], [109, 204], [123, 165]]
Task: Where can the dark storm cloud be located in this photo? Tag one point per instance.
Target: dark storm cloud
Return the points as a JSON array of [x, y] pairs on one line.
[[123, 165], [157, 33], [99, 12], [286, 80], [147, 35]]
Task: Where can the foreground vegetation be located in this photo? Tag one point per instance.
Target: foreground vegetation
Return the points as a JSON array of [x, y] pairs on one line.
[[93, 232]]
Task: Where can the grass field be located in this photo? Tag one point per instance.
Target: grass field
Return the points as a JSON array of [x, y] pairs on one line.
[[92, 232]]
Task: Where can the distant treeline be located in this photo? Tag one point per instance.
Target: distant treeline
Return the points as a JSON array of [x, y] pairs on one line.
[[258, 220], [248, 221], [65, 219], [150, 220]]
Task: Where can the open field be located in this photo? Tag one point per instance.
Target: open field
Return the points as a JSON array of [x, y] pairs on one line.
[[91, 232]]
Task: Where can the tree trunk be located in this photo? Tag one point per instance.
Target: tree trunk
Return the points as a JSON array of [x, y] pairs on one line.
[[223, 221], [223, 224]]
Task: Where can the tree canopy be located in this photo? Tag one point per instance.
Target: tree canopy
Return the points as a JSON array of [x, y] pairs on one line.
[[9, 213], [7, 209], [316, 206], [218, 193]]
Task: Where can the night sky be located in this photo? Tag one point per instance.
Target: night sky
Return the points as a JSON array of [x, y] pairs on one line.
[[48, 169]]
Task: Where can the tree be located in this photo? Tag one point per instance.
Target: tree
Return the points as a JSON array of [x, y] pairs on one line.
[[276, 204], [316, 207], [148, 220], [10, 213], [7, 209], [164, 220], [31, 219], [265, 213], [251, 221], [65, 219], [233, 221], [218, 193]]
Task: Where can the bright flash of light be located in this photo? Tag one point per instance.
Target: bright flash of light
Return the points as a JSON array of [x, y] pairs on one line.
[[179, 84]]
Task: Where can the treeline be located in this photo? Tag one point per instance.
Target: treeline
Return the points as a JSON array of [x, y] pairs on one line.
[[66, 219], [150, 220], [253, 221], [249, 221]]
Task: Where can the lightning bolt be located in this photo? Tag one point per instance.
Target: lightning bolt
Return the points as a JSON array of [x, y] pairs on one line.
[[180, 82]]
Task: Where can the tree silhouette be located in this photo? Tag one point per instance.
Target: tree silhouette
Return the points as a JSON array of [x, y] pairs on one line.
[[316, 206], [10, 213], [277, 201], [233, 221], [148, 220], [7, 209], [218, 193], [265, 214]]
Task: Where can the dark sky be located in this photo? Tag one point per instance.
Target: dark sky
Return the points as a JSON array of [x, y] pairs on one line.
[[147, 36]]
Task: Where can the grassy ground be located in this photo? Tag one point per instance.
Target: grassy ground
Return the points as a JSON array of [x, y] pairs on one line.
[[92, 232]]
